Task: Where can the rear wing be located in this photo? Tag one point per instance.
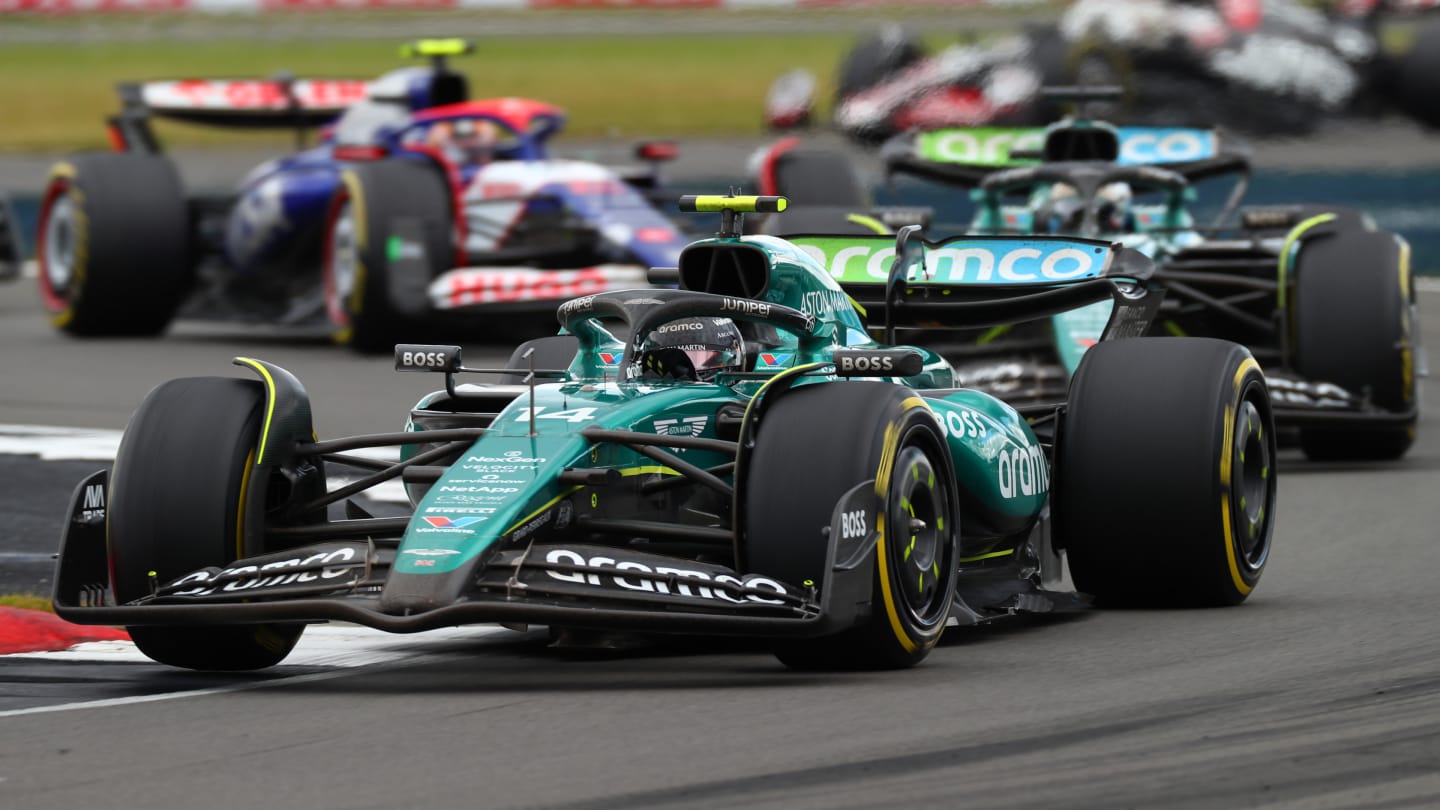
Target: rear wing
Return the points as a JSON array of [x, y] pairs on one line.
[[979, 281], [969, 157], [277, 102], [280, 102], [966, 156]]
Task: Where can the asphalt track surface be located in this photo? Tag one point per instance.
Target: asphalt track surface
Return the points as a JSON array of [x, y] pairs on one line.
[[1322, 691]]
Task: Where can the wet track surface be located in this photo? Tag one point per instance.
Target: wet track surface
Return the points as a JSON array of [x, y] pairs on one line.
[[1322, 691]]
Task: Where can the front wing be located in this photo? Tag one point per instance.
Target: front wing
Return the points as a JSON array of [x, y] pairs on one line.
[[569, 584]]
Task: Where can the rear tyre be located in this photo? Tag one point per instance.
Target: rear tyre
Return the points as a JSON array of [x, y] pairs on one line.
[[1165, 482], [875, 58], [1352, 327], [796, 476], [1417, 74], [390, 231], [113, 246], [826, 194], [178, 497]]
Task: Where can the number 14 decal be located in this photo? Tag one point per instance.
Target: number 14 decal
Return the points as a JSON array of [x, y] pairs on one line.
[[572, 415]]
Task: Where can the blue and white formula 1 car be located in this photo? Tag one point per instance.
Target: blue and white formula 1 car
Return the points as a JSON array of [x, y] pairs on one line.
[[418, 203]]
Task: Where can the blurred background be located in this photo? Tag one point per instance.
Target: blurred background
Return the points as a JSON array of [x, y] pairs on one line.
[[1334, 98]]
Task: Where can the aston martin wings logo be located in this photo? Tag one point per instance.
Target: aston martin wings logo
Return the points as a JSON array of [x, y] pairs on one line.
[[684, 426]]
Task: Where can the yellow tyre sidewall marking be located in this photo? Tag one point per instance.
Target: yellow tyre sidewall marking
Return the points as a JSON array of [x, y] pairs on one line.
[[1407, 329], [64, 172], [241, 508], [1227, 448], [882, 486]]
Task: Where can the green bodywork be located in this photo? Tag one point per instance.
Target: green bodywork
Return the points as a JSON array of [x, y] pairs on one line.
[[507, 485], [964, 260], [979, 146], [509, 475]]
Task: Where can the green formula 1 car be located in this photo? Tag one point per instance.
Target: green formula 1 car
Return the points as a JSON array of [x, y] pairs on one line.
[[733, 457], [1318, 293]]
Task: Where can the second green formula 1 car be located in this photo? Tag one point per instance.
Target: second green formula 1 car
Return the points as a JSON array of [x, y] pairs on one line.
[[1319, 294]]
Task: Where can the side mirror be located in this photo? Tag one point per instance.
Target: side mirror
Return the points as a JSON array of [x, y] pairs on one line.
[[878, 362], [425, 357]]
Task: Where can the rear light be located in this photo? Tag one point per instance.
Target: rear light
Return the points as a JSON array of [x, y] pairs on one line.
[[787, 119], [360, 152], [657, 150], [656, 234]]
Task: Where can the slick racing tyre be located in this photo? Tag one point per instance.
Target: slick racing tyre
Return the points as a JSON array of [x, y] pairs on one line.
[[1417, 73], [876, 58], [813, 445], [113, 246], [825, 192], [389, 232], [179, 494], [1351, 322], [1165, 479]]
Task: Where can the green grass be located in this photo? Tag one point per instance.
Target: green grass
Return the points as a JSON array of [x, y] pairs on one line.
[[635, 86], [618, 73], [27, 601]]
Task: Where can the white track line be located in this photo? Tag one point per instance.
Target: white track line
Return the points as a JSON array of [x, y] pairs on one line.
[[58, 443], [346, 648], [82, 444]]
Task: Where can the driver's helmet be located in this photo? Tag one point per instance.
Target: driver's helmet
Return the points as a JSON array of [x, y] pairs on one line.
[[1063, 212], [691, 349], [1112, 211], [465, 140]]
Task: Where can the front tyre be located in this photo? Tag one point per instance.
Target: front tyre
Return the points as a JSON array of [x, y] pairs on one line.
[[389, 232], [179, 492], [812, 446], [875, 58], [113, 245], [1352, 327], [1165, 482]]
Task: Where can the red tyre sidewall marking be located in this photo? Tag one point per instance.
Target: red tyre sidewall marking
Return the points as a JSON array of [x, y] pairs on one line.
[[55, 301], [334, 307]]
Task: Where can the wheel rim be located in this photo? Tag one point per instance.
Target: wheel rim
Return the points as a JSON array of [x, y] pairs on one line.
[[340, 267], [1252, 486], [918, 510], [59, 264]]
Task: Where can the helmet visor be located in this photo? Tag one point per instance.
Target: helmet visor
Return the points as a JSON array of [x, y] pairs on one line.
[[709, 362]]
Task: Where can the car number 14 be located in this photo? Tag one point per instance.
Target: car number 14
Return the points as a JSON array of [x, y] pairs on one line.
[[572, 415]]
